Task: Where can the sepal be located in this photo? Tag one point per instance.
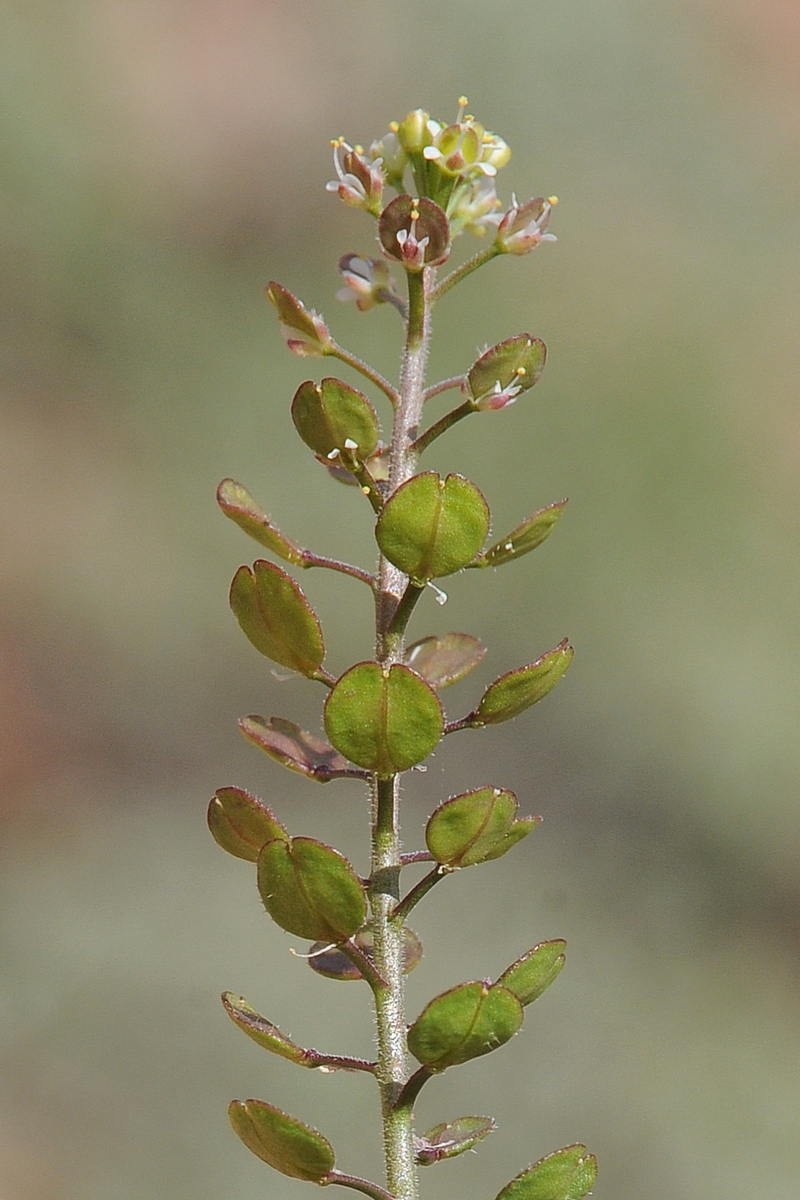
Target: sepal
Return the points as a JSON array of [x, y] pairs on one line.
[[283, 1142], [567, 1174], [242, 824]]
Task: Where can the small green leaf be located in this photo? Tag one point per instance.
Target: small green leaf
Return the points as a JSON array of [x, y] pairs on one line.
[[237, 503], [241, 824], [532, 974], [432, 527], [450, 1139], [469, 1020], [335, 421], [526, 537], [286, 1144], [292, 747], [311, 890], [446, 659], [567, 1174], [383, 720], [476, 827], [517, 690], [276, 617], [261, 1030], [515, 364], [334, 964]]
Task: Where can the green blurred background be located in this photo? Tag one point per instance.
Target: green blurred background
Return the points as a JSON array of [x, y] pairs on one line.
[[161, 161]]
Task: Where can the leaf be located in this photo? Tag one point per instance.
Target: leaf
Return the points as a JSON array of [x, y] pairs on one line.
[[567, 1174], [334, 964], [263, 1031], [276, 617], [383, 720], [526, 537], [286, 1144], [292, 747], [476, 827], [431, 527], [241, 824], [449, 1140], [469, 1020], [516, 363], [237, 503], [311, 890], [335, 420], [532, 974], [517, 690], [446, 659]]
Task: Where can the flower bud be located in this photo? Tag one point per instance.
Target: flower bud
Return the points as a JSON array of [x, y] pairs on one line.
[[305, 333], [494, 151], [413, 132], [367, 280], [392, 156], [359, 183], [524, 226], [414, 232]]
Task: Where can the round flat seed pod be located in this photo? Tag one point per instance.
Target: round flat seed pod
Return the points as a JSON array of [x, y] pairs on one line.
[[431, 526], [383, 720], [276, 617], [283, 1142]]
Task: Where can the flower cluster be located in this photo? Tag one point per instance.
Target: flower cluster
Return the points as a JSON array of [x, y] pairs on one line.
[[453, 165]]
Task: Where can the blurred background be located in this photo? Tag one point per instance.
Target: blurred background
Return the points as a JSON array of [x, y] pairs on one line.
[[162, 160]]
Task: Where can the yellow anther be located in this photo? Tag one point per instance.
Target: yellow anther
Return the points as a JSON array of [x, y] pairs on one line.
[[552, 199], [394, 126], [358, 149], [365, 490], [520, 371], [462, 101]]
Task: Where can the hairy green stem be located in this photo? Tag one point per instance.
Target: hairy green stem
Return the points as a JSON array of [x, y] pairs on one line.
[[442, 425], [392, 1068], [352, 360], [444, 385], [359, 1185], [472, 264], [309, 559], [413, 897]]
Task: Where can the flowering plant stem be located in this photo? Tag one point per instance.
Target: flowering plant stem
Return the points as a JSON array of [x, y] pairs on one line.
[[384, 717]]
